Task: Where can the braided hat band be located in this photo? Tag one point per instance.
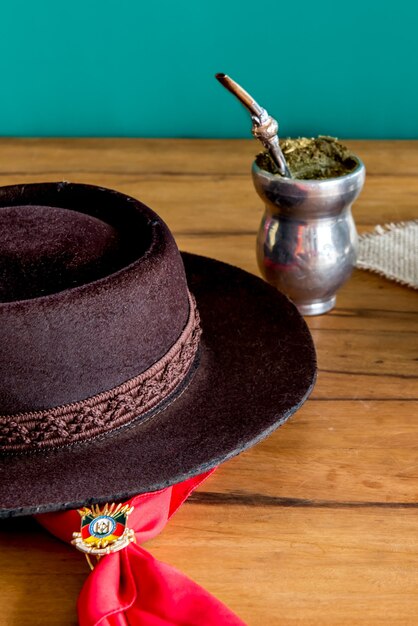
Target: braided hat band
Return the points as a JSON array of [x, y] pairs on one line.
[[139, 397]]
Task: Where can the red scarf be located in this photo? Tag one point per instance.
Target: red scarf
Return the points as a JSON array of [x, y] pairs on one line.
[[130, 587]]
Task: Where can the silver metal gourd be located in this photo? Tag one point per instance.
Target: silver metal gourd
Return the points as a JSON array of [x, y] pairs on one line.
[[307, 241]]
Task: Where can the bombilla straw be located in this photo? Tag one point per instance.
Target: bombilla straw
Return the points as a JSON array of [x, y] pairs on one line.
[[264, 128]]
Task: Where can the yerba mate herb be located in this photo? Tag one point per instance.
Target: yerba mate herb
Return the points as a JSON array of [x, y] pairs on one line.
[[316, 158]]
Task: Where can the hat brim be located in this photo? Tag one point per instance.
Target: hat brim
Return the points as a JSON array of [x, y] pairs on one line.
[[257, 367]]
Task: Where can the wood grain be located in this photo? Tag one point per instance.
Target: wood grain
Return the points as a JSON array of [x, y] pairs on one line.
[[317, 525]]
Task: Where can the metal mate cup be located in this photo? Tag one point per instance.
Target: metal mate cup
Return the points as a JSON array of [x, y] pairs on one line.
[[307, 242]]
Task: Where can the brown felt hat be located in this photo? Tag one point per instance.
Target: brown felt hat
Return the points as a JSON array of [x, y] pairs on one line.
[[126, 366]]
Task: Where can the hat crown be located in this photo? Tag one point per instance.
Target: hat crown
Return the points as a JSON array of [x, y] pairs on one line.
[[94, 293], [46, 249]]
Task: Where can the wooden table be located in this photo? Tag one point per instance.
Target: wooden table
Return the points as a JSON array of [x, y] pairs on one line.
[[318, 525]]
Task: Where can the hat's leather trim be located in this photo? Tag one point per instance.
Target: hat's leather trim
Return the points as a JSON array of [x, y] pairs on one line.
[[100, 414]]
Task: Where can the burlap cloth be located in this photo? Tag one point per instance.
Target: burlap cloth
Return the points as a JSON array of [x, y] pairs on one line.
[[391, 251]]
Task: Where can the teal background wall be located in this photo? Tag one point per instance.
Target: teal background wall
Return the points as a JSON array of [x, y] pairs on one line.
[[134, 68]]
